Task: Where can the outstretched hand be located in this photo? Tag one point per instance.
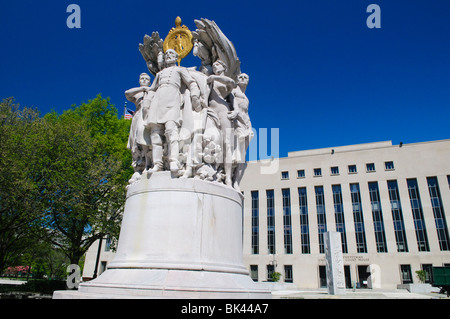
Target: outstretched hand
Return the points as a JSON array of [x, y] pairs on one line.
[[196, 103]]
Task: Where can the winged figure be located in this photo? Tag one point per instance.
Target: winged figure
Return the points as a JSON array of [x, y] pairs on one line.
[[152, 52], [210, 45], [208, 109]]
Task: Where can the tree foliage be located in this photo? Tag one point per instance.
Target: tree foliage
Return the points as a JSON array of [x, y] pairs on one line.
[[20, 205], [106, 128], [65, 175], [85, 182]]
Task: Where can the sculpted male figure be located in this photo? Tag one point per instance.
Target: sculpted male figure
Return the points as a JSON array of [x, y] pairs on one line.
[[164, 117], [139, 138], [242, 127]]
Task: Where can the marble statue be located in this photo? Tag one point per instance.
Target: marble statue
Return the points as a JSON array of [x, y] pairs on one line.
[[196, 123], [222, 86], [164, 117], [242, 127], [139, 139], [181, 233]]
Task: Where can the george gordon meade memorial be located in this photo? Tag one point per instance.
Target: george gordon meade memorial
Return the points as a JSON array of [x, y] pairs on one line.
[[181, 234]]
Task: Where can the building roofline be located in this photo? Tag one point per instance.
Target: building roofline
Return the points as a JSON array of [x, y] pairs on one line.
[[341, 149], [356, 147], [350, 148]]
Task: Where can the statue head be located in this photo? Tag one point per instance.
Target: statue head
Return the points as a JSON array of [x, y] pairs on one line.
[[170, 57], [243, 79], [144, 79], [219, 67]]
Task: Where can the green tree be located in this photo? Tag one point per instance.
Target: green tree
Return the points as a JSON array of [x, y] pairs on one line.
[[86, 172], [46, 259], [106, 127], [20, 204], [63, 178]]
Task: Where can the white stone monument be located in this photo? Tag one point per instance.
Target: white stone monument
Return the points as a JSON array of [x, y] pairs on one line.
[[181, 234], [334, 263]]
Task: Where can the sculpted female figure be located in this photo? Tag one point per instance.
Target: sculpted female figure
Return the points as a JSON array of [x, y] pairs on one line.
[[221, 87]]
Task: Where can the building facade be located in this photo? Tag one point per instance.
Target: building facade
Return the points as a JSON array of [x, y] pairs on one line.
[[390, 203]]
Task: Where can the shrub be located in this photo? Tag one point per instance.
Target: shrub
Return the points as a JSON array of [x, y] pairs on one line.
[[46, 287]]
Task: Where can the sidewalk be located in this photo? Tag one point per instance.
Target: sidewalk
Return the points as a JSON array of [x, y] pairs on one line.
[[358, 294]]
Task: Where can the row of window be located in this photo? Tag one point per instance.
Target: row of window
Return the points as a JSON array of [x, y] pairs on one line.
[[334, 170], [396, 212], [360, 280]]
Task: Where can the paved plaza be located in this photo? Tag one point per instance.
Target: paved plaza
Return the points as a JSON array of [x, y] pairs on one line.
[[357, 294], [323, 294]]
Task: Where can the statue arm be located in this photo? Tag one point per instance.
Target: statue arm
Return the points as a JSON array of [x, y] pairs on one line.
[[229, 82], [133, 95], [155, 84], [133, 91], [193, 88], [190, 82]]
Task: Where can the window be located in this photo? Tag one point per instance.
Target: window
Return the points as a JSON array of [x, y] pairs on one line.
[[255, 222], [352, 169], [405, 271], [108, 244], [317, 172], [438, 212], [358, 219], [287, 222], [304, 222], [339, 215], [389, 166], [301, 173], [335, 170], [377, 215], [397, 217], [285, 175], [288, 277], [323, 277], [370, 167], [270, 270], [270, 222], [254, 272], [321, 216], [419, 222], [428, 268], [448, 180]]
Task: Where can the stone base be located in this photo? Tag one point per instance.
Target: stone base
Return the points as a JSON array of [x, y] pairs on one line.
[[419, 288], [170, 284], [180, 238]]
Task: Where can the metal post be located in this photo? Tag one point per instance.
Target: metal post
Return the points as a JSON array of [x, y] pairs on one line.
[[98, 258]]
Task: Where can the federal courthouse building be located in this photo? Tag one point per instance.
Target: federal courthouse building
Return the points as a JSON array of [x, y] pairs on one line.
[[390, 204]]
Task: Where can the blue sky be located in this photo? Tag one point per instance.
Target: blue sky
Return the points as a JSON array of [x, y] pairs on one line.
[[317, 72]]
